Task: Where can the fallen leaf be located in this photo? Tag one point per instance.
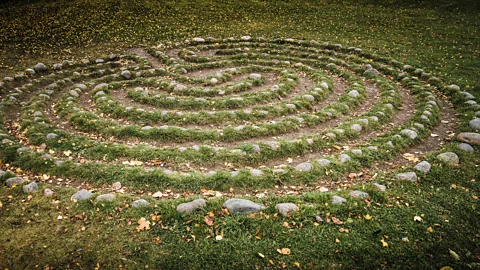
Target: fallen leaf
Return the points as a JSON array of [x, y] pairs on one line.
[[286, 225], [297, 264], [218, 237], [417, 218], [323, 189], [405, 239], [67, 153], [289, 160], [284, 251], [384, 243], [337, 221], [454, 255], [143, 224], [208, 220], [261, 255], [368, 217], [430, 229]]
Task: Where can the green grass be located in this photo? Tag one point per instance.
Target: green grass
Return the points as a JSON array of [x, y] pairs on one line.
[[440, 37]]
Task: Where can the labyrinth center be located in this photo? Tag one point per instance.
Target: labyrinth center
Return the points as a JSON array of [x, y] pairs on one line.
[[205, 113]]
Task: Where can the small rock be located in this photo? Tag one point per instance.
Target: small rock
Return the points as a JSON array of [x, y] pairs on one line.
[[256, 172], [126, 74], [409, 133], [423, 166], [410, 176], [48, 192], [255, 76], [381, 188], [465, 147], [323, 162], [105, 197], [140, 203], [353, 93], [40, 67], [187, 208], [32, 187], [116, 186], [286, 208], [309, 97], [356, 127], [357, 152], [359, 194], [51, 136], [338, 200], [81, 195], [343, 158], [256, 148], [467, 95], [198, 39], [449, 157], [469, 137], [305, 167], [242, 206], [15, 181], [475, 123]]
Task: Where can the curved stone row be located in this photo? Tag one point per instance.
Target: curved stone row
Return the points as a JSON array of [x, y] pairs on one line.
[[207, 116]]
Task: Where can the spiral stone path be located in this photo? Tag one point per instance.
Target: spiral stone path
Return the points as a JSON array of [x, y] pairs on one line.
[[211, 113]]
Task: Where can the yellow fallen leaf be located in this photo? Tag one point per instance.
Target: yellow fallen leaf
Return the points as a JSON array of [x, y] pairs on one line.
[[18, 170], [384, 243], [143, 224], [297, 264], [67, 153], [430, 229], [417, 218], [454, 255], [284, 251], [289, 160], [261, 255], [368, 217], [218, 237]]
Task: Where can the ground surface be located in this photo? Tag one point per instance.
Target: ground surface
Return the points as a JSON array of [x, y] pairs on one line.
[[248, 117]]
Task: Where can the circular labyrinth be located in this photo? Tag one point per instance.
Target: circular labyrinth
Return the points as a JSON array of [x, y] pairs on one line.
[[204, 113]]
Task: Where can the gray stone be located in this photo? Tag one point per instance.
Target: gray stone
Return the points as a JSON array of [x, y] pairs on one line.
[[2, 173], [30, 71], [256, 172], [356, 127], [338, 200], [291, 106], [81, 195], [309, 97], [256, 148], [15, 181], [286, 208], [105, 197], [30, 188], [323, 162], [357, 151], [467, 95], [48, 192], [40, 67], [126, 74], [409, 133], [469, 137], [255, 76], [198, 39], [81, 86], [381, 188], [359, 194], [343, 158], [7, 141], [273, 145], [370, 72], [73, 93], [353, 93], [187, 208], [448, 157], [410, 176], [242, 206], [140, 203], [99, 93], [475, 123], [146, 128], [423, 166], [453, 87], [23, 149], [465, 147], [305, 167]]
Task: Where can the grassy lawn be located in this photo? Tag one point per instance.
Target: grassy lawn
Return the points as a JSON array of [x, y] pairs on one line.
[[430, 224]]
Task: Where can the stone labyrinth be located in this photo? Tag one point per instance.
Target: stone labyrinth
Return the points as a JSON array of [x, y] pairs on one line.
[[214, 114]]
